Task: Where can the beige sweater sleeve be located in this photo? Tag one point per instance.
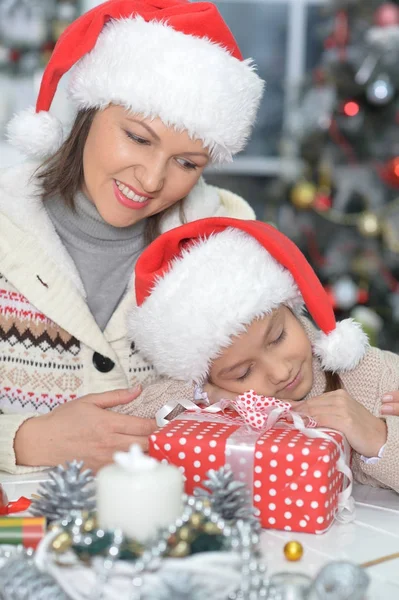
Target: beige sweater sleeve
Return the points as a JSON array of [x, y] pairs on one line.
[[379, 375], [9, 425], [155, 396]]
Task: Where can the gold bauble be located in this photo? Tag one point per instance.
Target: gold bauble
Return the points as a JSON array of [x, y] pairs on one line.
[[180, 550], [196, 520], [185, 533], [61, 543], [293, 551], [211, 528], [90, 524], [303, 194], [369, 224]]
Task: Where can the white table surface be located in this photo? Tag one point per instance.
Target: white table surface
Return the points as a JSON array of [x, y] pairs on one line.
[[374, 533]]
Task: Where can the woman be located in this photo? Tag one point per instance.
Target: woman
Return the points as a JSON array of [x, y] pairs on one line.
[[161, 91]]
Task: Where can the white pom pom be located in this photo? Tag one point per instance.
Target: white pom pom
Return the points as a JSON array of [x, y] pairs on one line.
[[38, 135], [343, 348]]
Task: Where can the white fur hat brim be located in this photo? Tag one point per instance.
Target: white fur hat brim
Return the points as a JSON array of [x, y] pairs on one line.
[[153, 70], [211, 293]]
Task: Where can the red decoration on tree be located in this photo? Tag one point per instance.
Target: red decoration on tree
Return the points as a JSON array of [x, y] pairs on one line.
[[322, 202], [386, 15], [350, 108], [340, 36], [389, 172]]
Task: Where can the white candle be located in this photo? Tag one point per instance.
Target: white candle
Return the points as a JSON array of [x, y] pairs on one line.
[[138, 494]]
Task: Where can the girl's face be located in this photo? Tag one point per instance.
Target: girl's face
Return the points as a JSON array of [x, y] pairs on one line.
[[273, 357], [135, 167]]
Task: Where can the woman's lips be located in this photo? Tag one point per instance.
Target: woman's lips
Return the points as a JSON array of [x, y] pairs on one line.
[[125, 201]]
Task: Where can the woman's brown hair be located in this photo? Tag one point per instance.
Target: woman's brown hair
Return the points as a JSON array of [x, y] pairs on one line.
[[62, 173]]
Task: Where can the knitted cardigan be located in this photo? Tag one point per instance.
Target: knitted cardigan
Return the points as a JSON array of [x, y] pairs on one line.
[[377, 374], [51, 348]]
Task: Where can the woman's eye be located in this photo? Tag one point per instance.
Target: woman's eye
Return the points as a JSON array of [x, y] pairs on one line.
[[186, 164], [137, 138]]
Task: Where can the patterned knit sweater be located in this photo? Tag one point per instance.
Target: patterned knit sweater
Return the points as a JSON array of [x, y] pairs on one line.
[[51, 348], [377, 374]]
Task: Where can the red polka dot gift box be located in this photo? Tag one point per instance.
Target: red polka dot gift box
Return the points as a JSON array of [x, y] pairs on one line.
[[297, 473]]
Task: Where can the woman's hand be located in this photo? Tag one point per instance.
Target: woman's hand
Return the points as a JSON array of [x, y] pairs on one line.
[[216, 393], [390, 404], [84, 430], [364, 432]]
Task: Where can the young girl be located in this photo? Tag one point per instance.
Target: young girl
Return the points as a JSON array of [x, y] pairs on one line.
[[160, 90], [220, 303]]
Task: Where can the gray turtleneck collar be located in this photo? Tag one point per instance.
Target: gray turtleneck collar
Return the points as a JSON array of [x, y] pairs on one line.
[[103, 254]]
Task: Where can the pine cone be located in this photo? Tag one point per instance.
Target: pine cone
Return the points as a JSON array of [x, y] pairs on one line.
[[229, 498], [67, 489]]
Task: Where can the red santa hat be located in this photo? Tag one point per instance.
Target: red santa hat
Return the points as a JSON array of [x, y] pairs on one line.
[[204, 282], [170, 59]]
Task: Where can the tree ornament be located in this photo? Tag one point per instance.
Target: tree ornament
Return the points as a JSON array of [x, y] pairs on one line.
[[386, 15], [68, 489], [345, 293], [381, 90], [370, 321], [322, 202], [293, 551], [303, 194], [369, 224], [338, 581], [229, 498], [390, 172]]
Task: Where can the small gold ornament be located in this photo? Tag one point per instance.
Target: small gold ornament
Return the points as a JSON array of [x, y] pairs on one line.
[[293, 551], [303, 194], [196, 520], [369, 224], [211, 528], [186, 534], [90, 524], [61, 543], [180, 550]]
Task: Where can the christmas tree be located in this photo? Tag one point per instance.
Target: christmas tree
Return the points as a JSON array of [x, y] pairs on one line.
[[342, 204]]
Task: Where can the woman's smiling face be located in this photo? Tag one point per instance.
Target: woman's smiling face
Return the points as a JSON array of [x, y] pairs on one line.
[[135, 167]]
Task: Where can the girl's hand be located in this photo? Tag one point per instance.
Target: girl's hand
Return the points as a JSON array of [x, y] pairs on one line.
[[216, 393], [390, 404], [84, 430], [364, 432]]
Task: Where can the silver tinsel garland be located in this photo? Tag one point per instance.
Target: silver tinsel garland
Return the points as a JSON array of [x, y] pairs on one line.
[[20, 579], [67, 489]]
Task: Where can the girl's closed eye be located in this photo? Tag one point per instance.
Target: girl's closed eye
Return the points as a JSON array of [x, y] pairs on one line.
[[137, 138], [245, 375], [281, 337]]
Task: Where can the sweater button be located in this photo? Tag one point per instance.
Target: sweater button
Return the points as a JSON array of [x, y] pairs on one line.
[[102, 363]]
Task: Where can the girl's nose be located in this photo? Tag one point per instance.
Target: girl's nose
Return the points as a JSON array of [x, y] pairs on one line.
[[280, 374]]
